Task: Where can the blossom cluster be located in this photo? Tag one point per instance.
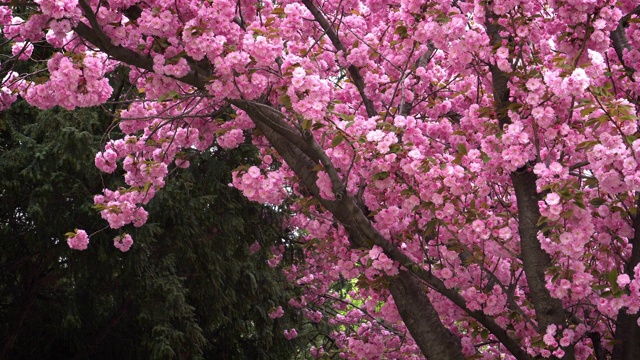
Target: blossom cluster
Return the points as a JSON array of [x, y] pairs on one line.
[[431, 114]]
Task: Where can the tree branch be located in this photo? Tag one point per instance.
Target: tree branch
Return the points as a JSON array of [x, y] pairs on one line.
[[422, 319], [303, 166], [620, 41], [98, 38], [627, 346], [357, 79], [405, 108], [535, 260], [347, 212]]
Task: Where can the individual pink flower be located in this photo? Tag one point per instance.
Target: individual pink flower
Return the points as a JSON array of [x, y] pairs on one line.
[[290, 334], [274, 261], [577, 82], [446, 273], [254, 247], [276, 313], [123, 242], [231, 139], [623, 280], [559, 353], [254, 172], [552, 199], [106, 161], [79, 240]]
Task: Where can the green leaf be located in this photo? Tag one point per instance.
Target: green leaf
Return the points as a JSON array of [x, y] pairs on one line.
[[285, 100], [587, 144], [542, 220], [395, 148], [579, 201], [306, 124], [402, 31], [381, 175], [269, 21], [430, 227], [612, 276], [171, 95], [339, 138], [407, 192], [346, 117], [599, 287], [462, 149]]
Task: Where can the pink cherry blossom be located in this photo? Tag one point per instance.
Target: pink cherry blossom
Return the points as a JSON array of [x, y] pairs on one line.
[[123, 242], [255, 247], [276, 313], [485, 152], [291, 334], [78, 240]]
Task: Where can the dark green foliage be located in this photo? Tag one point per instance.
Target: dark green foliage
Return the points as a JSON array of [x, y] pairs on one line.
[[187, 289]]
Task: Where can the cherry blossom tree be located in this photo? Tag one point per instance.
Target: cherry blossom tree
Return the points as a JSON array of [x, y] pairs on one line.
[[463, 174]]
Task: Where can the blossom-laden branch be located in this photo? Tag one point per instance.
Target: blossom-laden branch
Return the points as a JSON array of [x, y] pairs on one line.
[[495, 134], [358, 81], [350, 215], [620, 42], [428, 330], [534, 259]]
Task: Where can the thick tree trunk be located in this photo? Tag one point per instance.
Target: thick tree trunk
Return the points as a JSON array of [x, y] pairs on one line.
[[534, 260], [627, 346], [435, 341]]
